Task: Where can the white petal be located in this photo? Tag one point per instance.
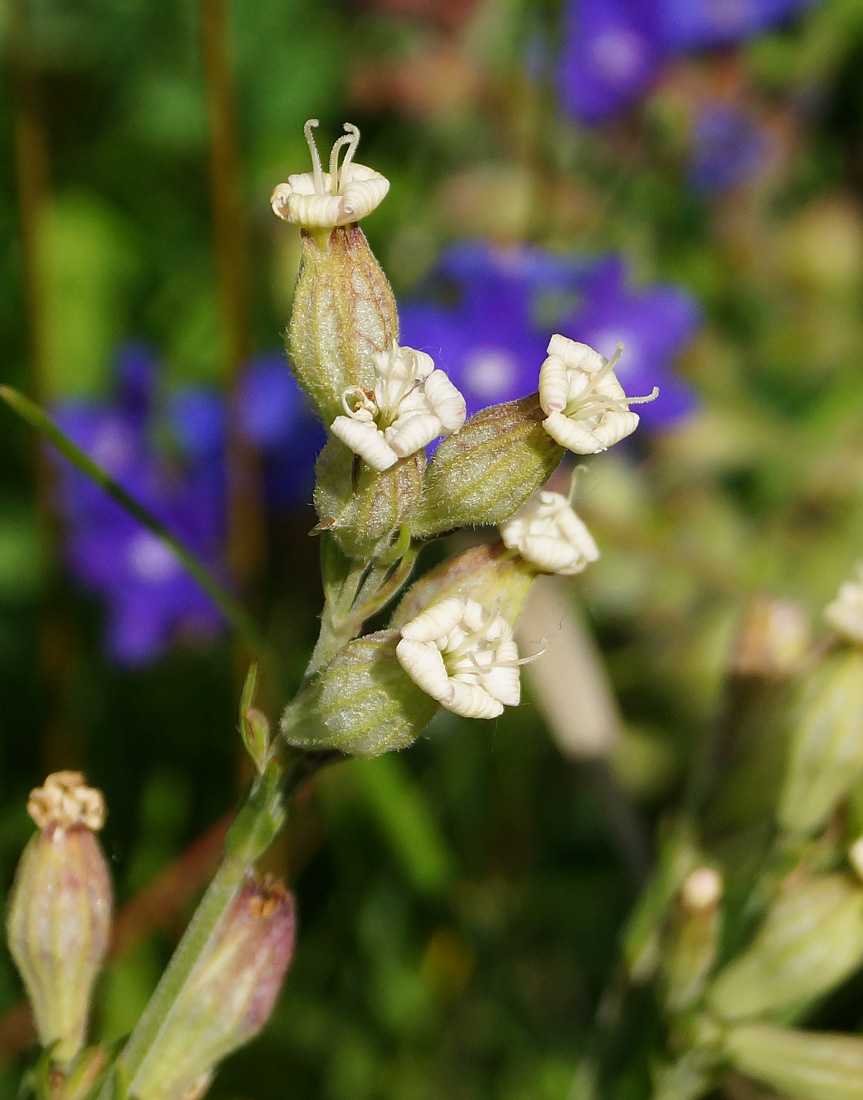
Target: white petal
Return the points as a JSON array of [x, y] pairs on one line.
[[366, 440], [446, 401], [298, 202], [575, 435], [423, 662], [436, 621], [553, 384], [503, 684], [412, 432], [615, 426], [471, 701]]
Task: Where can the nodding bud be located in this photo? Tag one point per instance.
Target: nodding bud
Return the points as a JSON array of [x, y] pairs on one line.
[[228, 997], [811, 939], [811, 1065], [826, 742], [692, 939], [59, 918]]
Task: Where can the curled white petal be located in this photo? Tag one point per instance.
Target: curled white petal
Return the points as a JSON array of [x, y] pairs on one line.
[[845, 613], [446, 401], [319, 200], [548, 534], [366, 440], [462, 655], [586, 408]]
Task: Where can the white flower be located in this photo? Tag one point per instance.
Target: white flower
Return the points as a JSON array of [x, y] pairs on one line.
[[845, 613], [412, 404], [585, 406], [322, 200], [549, 535], [462, 655]]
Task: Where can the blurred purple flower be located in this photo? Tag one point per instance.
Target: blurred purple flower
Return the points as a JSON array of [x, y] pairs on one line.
[[277, 417], [493, 340], [150, 597], [728, 147], [613, 49], [690, 24]]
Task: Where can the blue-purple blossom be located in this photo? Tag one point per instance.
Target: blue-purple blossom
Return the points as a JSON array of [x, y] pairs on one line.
[[690, 24], [275, 415], [492, 341], [613, 50], [729, 146], [150, 598]]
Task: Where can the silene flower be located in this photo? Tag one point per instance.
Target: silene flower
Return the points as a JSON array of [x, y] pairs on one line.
[[845, 613], [462, 655], [548, 534], [585, 406], [412, 404], [319, 200]]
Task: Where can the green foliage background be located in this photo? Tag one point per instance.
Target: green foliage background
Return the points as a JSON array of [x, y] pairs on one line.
[[461, 903]]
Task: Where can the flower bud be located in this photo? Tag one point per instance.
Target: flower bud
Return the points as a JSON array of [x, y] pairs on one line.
[[227, 998], [845, 613], [344, 311], [488, 470], [692, 939], [810, 941], [364, 703], [489, 574], [808, 1065], [826, 742], [362, 507], [59, 917]]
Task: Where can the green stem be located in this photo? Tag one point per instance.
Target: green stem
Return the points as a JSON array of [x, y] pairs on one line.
[[261, 817], [232, 609]]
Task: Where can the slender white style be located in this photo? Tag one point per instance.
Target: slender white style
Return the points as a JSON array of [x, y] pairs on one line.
[[845, 613], [585, 406], [464, 656], [320, 200], [548, 534], [412, 404]]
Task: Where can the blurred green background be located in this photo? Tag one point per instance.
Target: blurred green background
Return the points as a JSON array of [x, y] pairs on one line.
[[461, 903]]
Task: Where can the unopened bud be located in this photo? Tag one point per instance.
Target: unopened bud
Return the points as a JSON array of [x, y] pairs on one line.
[[810, 941], [808, 1065], [227, 998], [826, 742], [488, 470], [845, 613], [59, 918], [361, 507], [772, 640], [692, 939], [364, 703]]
